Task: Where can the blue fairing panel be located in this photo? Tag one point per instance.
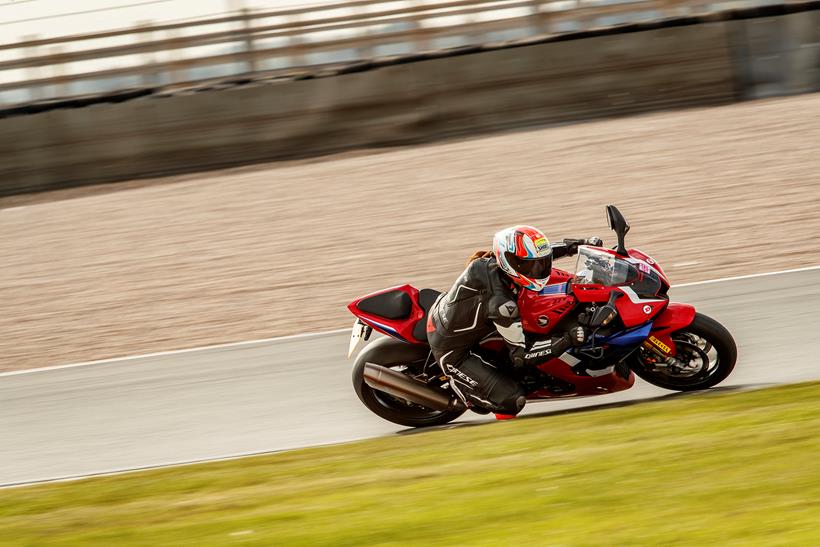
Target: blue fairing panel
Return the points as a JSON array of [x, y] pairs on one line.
[[631, 337], [558, 288], [388, 329]]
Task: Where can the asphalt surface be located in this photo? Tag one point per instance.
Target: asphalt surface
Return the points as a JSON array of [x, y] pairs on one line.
[[277, 395]]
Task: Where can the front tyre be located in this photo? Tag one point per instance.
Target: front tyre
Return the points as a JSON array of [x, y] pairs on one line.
[[706, 355], [409, 359]]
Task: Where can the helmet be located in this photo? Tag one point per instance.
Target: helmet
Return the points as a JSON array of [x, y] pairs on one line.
[[524, 254]]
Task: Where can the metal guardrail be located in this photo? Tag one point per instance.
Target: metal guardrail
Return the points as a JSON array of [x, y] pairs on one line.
[[282, 41]]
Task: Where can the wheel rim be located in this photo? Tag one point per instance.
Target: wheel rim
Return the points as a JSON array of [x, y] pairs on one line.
[[695, 361]]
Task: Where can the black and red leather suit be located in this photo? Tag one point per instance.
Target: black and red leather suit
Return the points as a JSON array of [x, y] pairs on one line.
[[482, 301]]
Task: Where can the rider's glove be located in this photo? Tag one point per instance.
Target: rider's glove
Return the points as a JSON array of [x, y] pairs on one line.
[[572, 246], [594, 241], [577, 336], [543, 350]]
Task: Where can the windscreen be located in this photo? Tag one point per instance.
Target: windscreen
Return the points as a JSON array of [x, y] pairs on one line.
[[600, 268]]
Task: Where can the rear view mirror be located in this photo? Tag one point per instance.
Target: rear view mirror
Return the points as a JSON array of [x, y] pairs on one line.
[[617, 223]]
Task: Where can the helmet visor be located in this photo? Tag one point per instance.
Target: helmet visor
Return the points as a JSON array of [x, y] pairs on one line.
[[534, 268]]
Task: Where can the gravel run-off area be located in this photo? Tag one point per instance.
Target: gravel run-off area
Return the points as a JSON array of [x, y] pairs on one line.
[[281, 248]]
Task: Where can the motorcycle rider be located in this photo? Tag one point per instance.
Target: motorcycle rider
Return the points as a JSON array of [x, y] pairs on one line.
[[484, 299]]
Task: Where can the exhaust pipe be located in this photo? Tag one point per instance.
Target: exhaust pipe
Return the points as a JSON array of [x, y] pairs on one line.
[[399, 385]]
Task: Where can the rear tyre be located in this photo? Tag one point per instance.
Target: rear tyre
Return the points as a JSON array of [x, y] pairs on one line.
[[706, 355], [409, 359]]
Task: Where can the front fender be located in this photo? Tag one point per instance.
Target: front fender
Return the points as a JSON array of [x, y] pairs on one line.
[[675, 317]]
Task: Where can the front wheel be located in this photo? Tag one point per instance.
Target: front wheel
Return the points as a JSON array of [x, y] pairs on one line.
[[706, 355]]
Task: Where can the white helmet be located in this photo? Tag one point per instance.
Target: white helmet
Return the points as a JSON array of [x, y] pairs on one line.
[[524, 254]]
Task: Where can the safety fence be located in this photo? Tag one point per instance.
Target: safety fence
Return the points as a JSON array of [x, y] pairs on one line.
[[713, 59], [286, 40]]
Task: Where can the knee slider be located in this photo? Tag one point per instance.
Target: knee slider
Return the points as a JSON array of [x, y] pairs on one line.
[[513, 404]]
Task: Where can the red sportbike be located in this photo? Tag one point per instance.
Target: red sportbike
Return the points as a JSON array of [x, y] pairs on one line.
[[622, 294]]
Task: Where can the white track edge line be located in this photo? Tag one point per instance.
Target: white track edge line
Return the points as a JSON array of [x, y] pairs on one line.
[[749, 276], [180, 351], [183, 463], [254, 453], [331, 332]]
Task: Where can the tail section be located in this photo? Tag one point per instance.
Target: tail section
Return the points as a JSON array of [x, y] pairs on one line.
[[400, 312]]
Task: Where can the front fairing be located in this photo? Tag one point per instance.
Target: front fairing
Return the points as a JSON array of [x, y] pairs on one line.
[[604, 267], [599, 272]]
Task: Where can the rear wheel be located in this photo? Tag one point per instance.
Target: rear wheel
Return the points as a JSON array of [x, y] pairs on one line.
[[706, 355], [411, 360]]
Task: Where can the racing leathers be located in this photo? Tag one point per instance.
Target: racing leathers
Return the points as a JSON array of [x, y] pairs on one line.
[[483, 301]]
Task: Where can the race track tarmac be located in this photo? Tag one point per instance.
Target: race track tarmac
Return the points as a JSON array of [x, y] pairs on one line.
[[276, 395]]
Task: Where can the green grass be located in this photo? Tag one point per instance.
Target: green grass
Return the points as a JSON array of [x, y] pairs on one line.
[[720, 469]]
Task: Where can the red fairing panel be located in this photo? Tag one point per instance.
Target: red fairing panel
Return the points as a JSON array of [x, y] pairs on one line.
[[634, 310], [675, 317], [584, 385], [591, 293], [640, 255], [541, 312], [397, 328], [540, 315], [560, 276]]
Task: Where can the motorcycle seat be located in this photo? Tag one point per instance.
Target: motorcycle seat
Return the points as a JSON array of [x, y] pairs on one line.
[[427, 297], [390, 305]]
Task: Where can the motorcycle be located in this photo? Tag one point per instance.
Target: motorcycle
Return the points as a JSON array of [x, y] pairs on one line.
[[619, 293]]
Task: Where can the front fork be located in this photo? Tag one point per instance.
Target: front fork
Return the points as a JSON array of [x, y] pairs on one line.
[[675, 317]]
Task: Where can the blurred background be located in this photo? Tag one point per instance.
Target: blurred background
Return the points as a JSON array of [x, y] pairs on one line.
[[176, 174], [387, 140], [53, 49]]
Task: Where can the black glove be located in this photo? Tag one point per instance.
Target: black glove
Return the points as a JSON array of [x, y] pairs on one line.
[[572, 245], [574, 337], [577, 336]]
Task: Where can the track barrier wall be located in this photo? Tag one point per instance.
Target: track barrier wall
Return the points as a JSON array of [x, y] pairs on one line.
[[678, 63]]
